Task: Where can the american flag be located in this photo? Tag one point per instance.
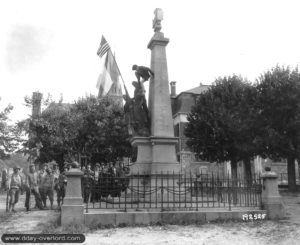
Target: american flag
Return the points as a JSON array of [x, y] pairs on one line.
[[104, 47]]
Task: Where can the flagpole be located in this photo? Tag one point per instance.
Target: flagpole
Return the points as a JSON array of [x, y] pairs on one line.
[[105, 48], [120, 74]]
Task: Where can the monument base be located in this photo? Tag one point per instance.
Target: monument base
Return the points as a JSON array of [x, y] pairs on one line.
[[155, 155], [73, 208], [72, 215]]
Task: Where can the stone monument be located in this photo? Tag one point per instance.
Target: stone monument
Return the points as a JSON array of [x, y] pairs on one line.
[[72, 208], [156, 153], [271, 199]]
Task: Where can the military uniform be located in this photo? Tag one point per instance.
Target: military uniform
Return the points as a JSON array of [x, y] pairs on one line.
[[60, 188], [48, 188], [96, 184], [56, 174], [87, 184], [32, 183], [41, 175], [14, 185]]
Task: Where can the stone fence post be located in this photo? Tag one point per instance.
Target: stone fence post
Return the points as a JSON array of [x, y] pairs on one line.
[[271, 199], [72, 211]]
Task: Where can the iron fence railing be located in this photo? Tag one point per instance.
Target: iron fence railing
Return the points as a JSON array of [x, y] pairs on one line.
[[169, 192], [283, 179]]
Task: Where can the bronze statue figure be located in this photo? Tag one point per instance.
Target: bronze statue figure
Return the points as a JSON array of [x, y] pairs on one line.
[[129, 114], [136, 110]]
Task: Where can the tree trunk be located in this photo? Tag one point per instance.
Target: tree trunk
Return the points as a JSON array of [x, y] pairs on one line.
[[298, 169], [233, 170], [291, 174], [247, 171], [234, 181]]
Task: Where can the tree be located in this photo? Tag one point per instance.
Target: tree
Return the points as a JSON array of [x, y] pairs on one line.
[[279, 107], [92, 127], [222, 123], [15, 159], [102, 132], [9, 139]]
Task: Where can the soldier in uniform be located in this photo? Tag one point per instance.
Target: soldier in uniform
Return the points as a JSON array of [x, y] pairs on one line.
[[41, 176], [110, 169], [55, 170], [56, 173], [87, 183], [115, 182], [101, 168], [124, 173], [14, 188], [96, 183], [97, 172], [61, 187], [48, 187], [142, 72], [32, 184]]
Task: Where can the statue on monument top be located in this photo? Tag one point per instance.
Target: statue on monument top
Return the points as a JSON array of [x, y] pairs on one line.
[[159, 16]]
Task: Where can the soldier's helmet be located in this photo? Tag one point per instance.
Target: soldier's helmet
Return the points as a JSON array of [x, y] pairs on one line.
[[75, 164]]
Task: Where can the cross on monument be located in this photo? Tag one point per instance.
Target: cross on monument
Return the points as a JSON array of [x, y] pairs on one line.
[[159, 16]]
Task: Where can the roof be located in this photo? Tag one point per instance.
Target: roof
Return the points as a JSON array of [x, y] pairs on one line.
[[184, 101], [57, 107], [198, 90]]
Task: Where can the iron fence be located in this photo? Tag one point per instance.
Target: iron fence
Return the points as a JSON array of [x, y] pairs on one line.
[[283, 179], [170, 192]]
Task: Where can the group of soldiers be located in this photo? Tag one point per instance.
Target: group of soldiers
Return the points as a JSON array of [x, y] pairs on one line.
[[104, 180], [42, 184]]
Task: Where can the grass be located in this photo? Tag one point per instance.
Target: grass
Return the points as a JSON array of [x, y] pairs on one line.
[[54, 227], [4, 216], [51, 227]]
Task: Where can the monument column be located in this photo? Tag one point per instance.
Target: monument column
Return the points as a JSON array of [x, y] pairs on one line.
[[162, 129], [157, 153], [159, 96]]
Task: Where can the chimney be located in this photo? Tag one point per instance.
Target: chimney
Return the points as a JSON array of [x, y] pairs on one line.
[[36, 104], [173, 89]]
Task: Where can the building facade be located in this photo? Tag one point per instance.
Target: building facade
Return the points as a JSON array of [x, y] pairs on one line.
[[182, 104], [181, 107]]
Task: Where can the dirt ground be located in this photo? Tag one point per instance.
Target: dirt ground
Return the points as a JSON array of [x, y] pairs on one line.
[[245, 233]]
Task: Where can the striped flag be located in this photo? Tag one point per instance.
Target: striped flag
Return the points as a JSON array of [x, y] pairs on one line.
[[104, 47], [108, 81]]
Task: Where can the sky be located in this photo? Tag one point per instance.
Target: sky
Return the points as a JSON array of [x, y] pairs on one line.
[[50, 45]]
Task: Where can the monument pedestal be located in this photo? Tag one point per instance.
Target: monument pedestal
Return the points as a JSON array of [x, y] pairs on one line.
[[155, 155], [271, 199], [72, 210]]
